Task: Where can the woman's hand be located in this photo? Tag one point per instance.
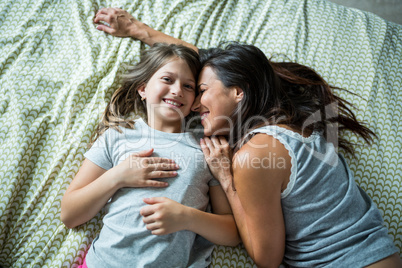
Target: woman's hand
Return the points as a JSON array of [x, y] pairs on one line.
[[139, 170], [164, 216], [121, 23], [218, 155]]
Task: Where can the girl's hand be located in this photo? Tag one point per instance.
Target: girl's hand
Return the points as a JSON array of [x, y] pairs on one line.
[[218, 155], [139, 170], [121, 23], [164, 216]]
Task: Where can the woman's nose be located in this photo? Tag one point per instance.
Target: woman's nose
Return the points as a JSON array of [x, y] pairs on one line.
[[196, 105]]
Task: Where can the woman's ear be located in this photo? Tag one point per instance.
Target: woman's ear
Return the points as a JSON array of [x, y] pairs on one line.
[[141, 91]]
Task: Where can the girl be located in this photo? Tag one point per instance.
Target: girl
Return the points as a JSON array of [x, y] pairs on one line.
[[293, 196], [162, 234]]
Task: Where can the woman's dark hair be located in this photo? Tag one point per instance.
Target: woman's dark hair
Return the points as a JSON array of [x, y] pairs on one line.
[[281, 93], [126, 100]]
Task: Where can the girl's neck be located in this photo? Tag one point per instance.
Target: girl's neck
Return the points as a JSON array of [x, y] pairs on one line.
[[168, 127]]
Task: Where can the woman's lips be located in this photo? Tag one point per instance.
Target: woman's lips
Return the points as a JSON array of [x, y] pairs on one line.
[[204, 115]]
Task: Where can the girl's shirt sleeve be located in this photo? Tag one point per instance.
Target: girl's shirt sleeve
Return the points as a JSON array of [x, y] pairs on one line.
[[100, 153]]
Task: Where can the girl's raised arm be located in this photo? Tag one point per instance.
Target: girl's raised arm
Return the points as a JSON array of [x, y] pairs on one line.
[[122, 24]]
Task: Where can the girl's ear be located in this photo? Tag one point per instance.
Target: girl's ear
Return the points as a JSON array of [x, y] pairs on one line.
[[239, 94], [141, 91]]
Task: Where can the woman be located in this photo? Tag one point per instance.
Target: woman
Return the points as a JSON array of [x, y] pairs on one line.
[[293, 197]]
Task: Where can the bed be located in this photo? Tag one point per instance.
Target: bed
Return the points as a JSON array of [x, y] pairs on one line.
[[58, 72]]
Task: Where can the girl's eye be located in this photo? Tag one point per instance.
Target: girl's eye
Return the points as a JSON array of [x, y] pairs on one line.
[[167, 79], [190, 87], [202, 91]]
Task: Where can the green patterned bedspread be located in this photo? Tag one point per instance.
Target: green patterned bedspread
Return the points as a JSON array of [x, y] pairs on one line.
[[58, 72]]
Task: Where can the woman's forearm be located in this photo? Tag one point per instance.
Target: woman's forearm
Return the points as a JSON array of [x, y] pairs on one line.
[[218, 229], [240, 218], [81, 205]]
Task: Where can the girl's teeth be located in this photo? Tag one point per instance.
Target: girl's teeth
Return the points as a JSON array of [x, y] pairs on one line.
[[173, 103]]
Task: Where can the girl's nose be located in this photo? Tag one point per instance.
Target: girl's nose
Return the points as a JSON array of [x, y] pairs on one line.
[[177, 90], [196, 105]]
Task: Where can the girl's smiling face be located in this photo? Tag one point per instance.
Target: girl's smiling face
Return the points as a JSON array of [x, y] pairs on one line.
[[215, 103], [169, 95]]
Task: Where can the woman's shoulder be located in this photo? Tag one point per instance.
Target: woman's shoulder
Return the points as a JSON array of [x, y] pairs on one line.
[[282, 128], [264, 157], [288, 135], [260, 148], [261, 143]]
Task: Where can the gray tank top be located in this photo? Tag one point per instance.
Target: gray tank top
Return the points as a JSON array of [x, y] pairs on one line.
[[329, 220]]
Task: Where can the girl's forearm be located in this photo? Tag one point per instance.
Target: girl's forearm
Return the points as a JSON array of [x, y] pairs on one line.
[[81, 205], [150, 36], [218, 229]]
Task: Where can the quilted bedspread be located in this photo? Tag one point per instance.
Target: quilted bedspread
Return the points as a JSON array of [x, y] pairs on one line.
[[57, 72]]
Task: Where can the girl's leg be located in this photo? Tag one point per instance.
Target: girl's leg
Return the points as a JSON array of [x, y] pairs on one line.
[[84, 265]]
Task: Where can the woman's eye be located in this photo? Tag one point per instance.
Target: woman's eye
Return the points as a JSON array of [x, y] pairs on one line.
[[167, 79], [202, 91]]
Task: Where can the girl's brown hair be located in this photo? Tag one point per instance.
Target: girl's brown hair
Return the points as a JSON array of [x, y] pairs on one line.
[[126, 100], [281, 93]]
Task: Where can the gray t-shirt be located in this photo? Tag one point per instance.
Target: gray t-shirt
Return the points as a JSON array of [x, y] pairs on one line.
[[124, 240]]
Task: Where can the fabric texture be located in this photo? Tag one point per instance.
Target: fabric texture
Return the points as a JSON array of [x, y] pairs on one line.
[[84, 265], [124, 238], [58, 72], [329, 220]]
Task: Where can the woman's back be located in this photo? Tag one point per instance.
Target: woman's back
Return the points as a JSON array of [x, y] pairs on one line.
[[328, 218]]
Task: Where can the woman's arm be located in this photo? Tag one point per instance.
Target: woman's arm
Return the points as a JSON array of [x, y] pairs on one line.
[[165, 216], [93, 186], [254, 193], [122, 24]]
